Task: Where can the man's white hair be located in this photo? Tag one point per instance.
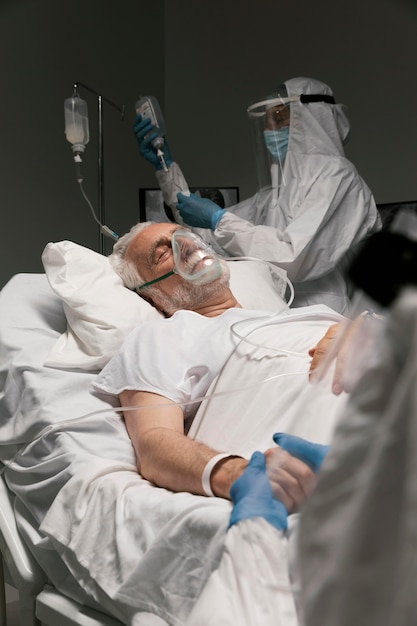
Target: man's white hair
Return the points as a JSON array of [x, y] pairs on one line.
[[126, 269]]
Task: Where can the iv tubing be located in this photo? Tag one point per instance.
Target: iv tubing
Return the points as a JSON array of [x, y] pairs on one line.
[[104, 229], [122, 409]]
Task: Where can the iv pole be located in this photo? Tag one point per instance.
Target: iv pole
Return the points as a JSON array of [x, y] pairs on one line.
[[100, 154]]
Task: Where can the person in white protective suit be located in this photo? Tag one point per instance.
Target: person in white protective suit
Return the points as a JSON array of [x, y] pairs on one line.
[[252, 586], [312, 207], [357, 532]]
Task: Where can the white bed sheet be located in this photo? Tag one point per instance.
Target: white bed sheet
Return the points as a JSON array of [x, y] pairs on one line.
[[101, 532]]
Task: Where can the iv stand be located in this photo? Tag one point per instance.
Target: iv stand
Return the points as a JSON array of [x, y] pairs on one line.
[[100, 155]]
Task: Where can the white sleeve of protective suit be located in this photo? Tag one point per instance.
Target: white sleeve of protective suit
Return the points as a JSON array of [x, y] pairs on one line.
[[314, 225], [251, 586], [171, 183], [357, 535]]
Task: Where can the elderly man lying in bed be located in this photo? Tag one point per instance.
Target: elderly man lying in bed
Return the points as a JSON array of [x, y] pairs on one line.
[[156, 546], [166, 366]]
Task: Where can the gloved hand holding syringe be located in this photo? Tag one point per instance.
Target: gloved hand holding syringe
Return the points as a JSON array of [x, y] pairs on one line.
[[149, 129]]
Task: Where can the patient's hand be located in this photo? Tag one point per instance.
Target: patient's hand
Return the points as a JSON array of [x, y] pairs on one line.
[[320, 351], [292, 481], [330, 342]]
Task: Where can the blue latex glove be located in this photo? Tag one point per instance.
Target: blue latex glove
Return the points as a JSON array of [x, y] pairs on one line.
[[145, 135], [252, 496], [312, 454], [200, 212]]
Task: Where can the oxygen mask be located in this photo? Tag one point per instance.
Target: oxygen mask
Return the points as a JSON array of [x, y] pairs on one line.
[[194, 260]]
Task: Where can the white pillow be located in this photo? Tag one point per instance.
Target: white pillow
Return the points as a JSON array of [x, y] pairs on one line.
[[101, 312], [254, 287]]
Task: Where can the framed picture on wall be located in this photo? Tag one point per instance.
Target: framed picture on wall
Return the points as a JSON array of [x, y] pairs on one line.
[[152, 206]]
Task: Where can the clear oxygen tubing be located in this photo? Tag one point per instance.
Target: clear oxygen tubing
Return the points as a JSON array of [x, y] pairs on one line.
[[268, 318], [60, 426]]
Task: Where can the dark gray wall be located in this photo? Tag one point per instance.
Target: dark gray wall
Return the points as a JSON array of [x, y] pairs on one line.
[[223, 54], [46, 46], [205, 60]]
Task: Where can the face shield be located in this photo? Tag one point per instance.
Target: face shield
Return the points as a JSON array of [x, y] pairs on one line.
[[270, 122], [270, 119], [194, 260]]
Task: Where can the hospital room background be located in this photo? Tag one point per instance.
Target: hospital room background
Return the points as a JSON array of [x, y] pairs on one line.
[[204, 61]]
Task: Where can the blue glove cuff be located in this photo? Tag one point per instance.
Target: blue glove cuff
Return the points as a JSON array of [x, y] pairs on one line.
[[251, 495], [216, 217], [274, 512]]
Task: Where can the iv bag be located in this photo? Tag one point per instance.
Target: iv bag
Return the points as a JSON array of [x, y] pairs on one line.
[[76, 122], [148, 107]]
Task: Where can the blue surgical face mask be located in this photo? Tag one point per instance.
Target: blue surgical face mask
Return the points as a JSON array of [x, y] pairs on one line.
[[277, 142]]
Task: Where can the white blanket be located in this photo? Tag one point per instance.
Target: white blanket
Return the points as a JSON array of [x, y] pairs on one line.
[[98, 529]]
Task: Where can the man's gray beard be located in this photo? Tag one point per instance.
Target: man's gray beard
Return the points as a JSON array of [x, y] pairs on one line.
[[189, 296]]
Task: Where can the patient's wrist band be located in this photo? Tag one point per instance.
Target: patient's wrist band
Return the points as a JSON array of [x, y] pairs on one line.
[[205, 478]]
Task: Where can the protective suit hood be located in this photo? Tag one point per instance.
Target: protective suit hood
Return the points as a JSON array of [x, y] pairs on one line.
[[299, 118], [316, 127]]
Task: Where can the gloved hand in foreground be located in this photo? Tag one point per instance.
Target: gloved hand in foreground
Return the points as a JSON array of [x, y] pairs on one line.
[[251, 493], [312, 454], [199, 212], [252, 496], [145, 133]]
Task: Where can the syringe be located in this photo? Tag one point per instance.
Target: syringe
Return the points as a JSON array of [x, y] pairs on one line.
[[159, 152]]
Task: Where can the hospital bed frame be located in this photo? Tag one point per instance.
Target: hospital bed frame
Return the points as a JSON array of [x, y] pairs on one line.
[[39, 603]]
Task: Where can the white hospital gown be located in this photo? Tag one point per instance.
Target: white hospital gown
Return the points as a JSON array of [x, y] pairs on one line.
[[177, 358]]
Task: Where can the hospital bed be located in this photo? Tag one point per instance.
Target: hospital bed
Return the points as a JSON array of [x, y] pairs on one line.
[[39, 602], [69, 464], [17, 565]]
